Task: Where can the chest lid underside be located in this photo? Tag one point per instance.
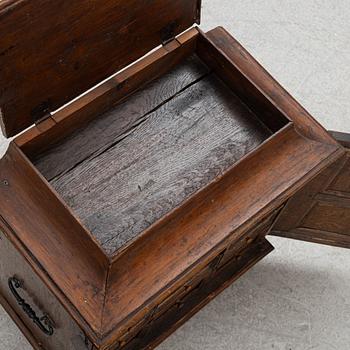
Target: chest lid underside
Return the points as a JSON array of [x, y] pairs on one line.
[[53, 51]]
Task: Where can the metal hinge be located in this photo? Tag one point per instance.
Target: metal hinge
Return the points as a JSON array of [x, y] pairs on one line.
[[41, 113], [167, 34]]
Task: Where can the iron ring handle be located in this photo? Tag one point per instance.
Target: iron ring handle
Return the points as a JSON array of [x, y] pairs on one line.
[[44, 322]]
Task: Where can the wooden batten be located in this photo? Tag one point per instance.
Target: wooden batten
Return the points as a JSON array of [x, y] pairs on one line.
[[53, 51]]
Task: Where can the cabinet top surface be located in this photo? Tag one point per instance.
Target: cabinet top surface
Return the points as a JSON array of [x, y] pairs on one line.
[[55, 50]]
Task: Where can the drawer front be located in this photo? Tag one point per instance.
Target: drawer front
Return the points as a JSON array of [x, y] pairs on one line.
[[37, 308], [235, 248], [155, 331], [171, 306]]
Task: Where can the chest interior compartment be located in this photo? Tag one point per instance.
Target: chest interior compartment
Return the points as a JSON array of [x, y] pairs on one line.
[[170, 124]]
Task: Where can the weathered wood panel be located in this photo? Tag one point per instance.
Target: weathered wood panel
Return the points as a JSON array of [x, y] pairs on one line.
[[78, 113], [341, 183], [223, 210], [257, 81], [320, 212], [66, 332], [103, 131], [42, 223], [178, 149], [329, 216]]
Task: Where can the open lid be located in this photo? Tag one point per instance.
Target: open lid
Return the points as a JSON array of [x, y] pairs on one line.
[[53, 51]]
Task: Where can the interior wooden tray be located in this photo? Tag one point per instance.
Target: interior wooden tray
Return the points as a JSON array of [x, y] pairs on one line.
[[142, 158]]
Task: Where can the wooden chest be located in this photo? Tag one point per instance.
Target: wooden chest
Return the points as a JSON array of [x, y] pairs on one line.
[[130, 204], [320, 211]]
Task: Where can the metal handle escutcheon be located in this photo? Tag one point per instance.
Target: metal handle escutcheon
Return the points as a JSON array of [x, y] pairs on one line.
[[44, 322]]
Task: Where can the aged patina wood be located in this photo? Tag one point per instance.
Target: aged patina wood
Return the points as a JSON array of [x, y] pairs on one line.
[[320, 212], [55, 50], [189, 129], [109, 295], [256, 86], [102, 132], [101, 99], [12, 264], [206, 289]]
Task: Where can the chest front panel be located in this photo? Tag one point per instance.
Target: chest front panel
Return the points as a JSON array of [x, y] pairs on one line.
[[174, 308]]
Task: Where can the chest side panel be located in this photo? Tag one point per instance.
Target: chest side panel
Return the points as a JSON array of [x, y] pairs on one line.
[[320, 212], [33, 292]]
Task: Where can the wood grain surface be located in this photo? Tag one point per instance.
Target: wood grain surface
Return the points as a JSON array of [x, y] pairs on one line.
[[52, 51], [320, 212], [162, 146], [80, 112], [207, 289], [68, 255], [256, 77], [105, 129], [200, 135], [38, 296]]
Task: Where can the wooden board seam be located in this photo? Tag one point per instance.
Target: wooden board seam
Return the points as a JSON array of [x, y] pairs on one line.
[[120, 138]]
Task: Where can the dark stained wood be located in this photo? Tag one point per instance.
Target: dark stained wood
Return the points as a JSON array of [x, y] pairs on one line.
[[320, 212], [152, 168], [52, 51], [38, 296], [240, 85], [115, 298], [56, 241], [341, 184], [188, 305], [329, 216], [76, 115], [207, 220], [257, 78], [104, 131]]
